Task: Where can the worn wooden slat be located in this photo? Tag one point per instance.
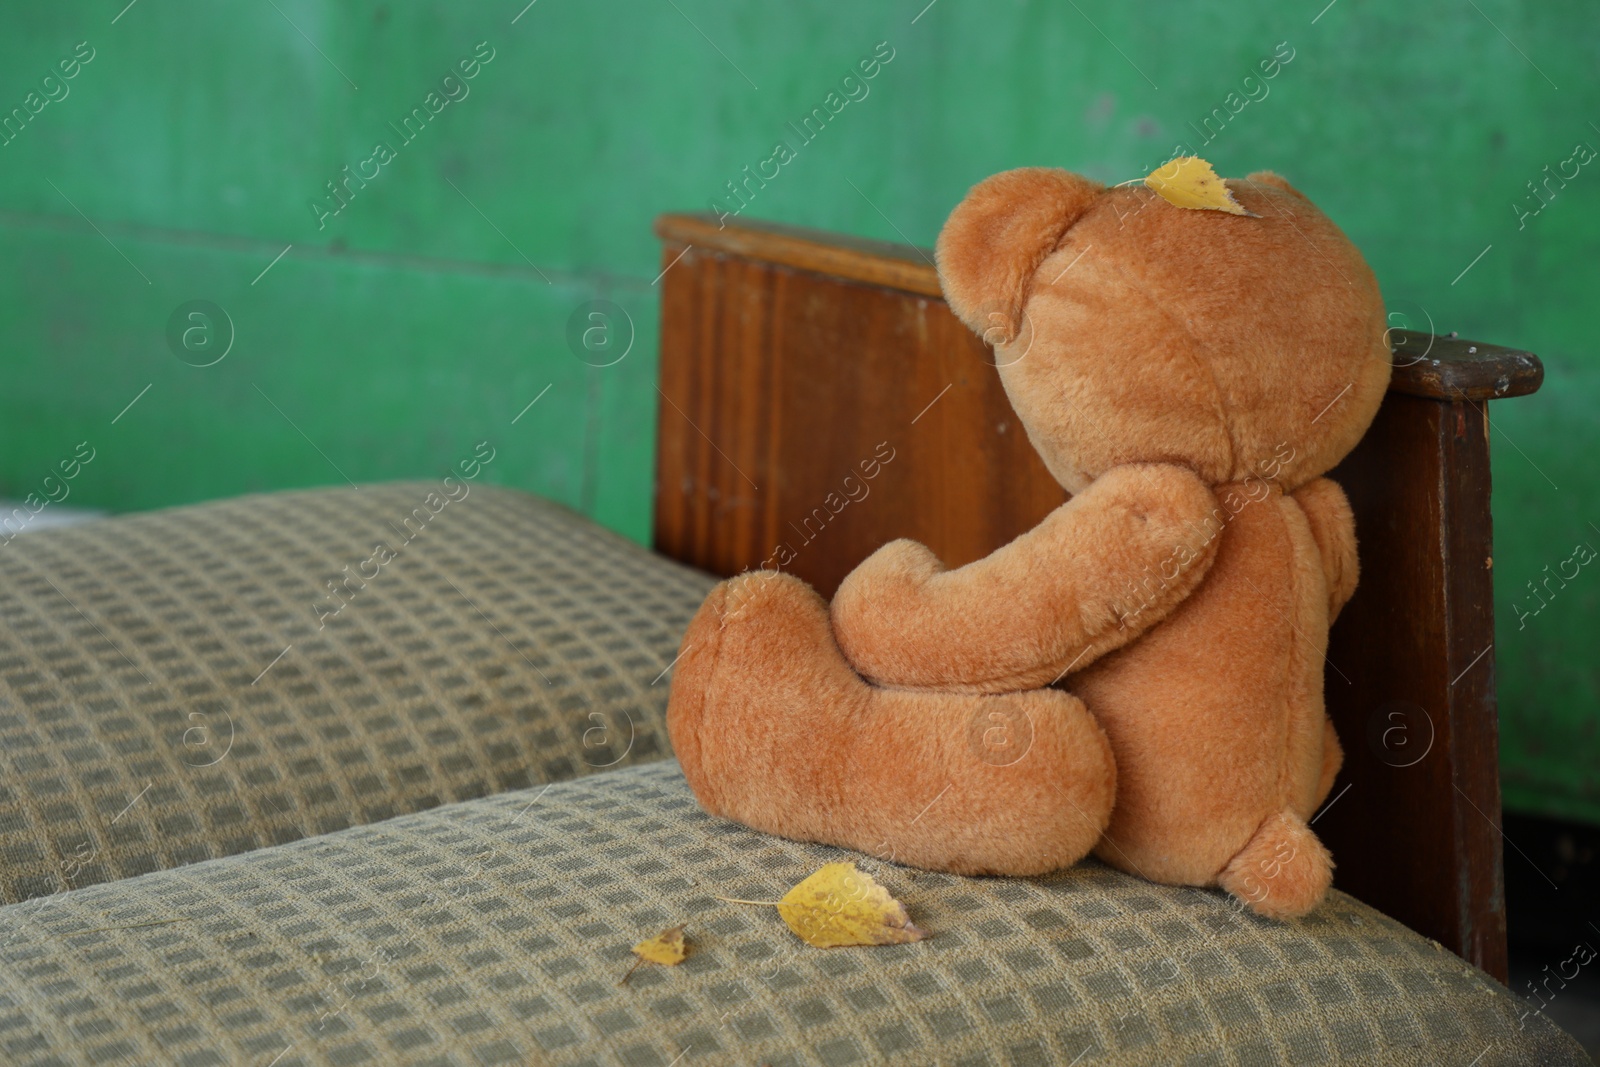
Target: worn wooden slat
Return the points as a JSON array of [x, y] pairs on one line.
[[1415, 826], [784, 367], [857, 259]]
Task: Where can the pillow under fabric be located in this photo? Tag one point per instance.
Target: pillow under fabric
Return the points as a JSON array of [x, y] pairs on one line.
[[497, 931], [186, 684]]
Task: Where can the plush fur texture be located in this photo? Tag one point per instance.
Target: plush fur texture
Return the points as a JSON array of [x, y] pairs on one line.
[[1188, 376], [989, 250]]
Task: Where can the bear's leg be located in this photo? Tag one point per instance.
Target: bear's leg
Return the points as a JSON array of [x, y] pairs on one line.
[[1282, 871], [773, 728]]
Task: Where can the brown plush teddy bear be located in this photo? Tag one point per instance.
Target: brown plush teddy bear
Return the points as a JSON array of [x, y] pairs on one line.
[[1188, 375]]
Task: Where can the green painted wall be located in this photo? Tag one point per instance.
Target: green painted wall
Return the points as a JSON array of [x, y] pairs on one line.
[[426, 314]]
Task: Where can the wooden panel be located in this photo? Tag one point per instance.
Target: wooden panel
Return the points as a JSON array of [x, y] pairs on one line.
[[777, 381], [1415, 827], [778, 385]]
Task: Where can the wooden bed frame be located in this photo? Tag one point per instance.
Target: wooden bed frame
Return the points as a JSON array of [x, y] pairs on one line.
[[791, 359]]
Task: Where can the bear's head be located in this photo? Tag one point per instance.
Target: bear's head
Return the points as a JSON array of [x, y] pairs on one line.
[[1127, 329]]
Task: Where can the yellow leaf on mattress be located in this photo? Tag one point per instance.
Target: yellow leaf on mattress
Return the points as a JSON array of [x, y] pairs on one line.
[[840, 905], [667, 948]]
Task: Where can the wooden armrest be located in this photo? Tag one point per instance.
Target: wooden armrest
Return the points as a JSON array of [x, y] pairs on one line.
[[1453, 368], [794, 361]]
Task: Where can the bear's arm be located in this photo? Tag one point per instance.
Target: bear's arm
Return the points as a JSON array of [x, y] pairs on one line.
[[1098, 571], [1333, 527]]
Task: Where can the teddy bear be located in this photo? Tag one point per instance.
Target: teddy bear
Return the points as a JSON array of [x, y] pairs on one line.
[[1140, 675]]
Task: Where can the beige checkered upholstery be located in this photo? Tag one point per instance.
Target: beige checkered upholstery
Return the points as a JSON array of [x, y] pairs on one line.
[[147, 721], [496, 931], [388, 881]]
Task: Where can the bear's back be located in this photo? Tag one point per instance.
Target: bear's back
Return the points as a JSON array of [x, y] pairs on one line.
[[1216, 715]]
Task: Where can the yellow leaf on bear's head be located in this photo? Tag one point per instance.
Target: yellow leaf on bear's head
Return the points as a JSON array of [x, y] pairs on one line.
[[667, 948], [1190, 182], [840, 905]]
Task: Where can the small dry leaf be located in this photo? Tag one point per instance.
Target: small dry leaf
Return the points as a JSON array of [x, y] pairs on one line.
[[1190, 182], [667, 948], [839, 905]]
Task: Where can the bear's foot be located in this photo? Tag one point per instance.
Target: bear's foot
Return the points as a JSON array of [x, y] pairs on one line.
[[1283, 871]]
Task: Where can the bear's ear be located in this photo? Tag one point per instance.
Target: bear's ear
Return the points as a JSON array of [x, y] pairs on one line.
[[995, 239], [1267, 177]]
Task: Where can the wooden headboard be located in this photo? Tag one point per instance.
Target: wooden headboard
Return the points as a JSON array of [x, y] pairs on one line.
[[792, 360]]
